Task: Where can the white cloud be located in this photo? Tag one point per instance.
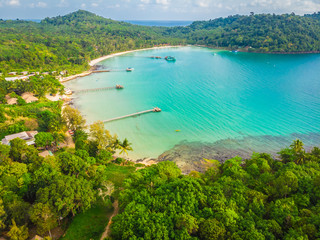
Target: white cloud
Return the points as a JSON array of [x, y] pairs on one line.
[[145, 1], [95, 5], [203, 3], [83, 5], [63, 3], [163, 2], [13, 3], [41, 4]]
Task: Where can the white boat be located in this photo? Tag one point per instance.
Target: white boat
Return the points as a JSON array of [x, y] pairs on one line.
[[67, 91]]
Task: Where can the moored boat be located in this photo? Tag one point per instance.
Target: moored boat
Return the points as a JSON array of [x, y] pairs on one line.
[[129, 69], [170, 58]]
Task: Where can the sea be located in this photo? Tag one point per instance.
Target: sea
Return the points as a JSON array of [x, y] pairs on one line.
[[159, 23], [215, 104]]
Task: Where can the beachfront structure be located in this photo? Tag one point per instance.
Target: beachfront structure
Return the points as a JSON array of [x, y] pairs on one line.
[[12, 79], [26, 136], [45, 73], [12, 73], [24, 73], [12, 101], [29, 97]]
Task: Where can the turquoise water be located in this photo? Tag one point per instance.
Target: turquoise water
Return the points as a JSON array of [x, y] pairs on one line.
[[209, 95]]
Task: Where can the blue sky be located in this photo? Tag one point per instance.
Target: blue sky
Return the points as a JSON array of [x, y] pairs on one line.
[[153, 9]]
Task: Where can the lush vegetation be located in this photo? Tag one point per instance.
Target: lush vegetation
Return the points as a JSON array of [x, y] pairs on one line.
[[258, 198], [69, 42], [42, 115], [89, 224], [43, 192], [258, 33]]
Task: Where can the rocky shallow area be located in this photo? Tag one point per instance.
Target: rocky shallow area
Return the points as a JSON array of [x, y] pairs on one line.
[[189, 156]]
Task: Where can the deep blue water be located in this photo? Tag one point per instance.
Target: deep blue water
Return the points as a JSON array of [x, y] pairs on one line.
[[159, 23]]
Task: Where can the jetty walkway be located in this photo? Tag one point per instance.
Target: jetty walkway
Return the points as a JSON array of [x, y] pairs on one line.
[[97, 89], [156, 109]]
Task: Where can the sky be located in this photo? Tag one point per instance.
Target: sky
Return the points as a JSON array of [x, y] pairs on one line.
[[153, 9]]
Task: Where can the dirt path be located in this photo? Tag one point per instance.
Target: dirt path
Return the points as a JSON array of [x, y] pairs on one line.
[[69, 140], [115, 212]]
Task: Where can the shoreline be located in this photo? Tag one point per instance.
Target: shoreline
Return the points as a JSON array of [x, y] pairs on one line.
[[100, 59]]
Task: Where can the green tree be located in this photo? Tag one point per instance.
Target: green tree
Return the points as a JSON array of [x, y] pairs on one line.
[[211, 229], [187, 222], [18, 149], [44, 139], [73, 119], [125, 146], [18, 233], [102, 136], [43, 217], [297, 147], [2, 215]]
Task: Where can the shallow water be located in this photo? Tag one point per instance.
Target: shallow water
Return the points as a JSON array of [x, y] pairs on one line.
[[208, 95]]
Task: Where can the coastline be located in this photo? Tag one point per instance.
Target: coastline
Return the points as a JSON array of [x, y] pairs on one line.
[[100, 59]]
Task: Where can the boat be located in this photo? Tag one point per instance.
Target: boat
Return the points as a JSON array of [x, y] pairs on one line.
[[119, 86], [235, 51], [169, 58], [178, 130], [129, 69], [67, 91], [158, 57]]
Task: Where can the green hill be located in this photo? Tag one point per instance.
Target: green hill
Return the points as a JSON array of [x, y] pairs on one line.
[[258, 33], [70, 41]]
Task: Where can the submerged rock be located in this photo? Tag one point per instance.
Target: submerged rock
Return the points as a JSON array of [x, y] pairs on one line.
[[189, 155]]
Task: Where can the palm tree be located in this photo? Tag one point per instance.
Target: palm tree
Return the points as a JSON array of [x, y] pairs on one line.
[[297, 147], [125, 146]]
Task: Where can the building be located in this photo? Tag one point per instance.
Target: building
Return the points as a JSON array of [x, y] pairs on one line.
[[28, 97], [27, 136], [12, 73], [24, 73], [12, 79], [12, 101]]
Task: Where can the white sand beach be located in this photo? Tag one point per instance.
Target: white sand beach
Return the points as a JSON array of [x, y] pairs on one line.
[[95, 61]]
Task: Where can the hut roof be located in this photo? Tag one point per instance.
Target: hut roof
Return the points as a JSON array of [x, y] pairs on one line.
[[28, 97], [12, 101]]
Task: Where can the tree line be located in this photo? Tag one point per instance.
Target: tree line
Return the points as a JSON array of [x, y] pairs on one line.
[[254, 199]]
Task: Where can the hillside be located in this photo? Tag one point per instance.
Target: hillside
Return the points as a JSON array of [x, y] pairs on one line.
[[70, 41], [258, 33]]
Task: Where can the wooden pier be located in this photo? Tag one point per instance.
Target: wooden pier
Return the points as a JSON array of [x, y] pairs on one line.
[[156, 109], [98, 89]]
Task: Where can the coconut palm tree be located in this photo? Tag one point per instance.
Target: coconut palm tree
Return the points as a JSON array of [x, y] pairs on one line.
[[297, 147], [125, 146]]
